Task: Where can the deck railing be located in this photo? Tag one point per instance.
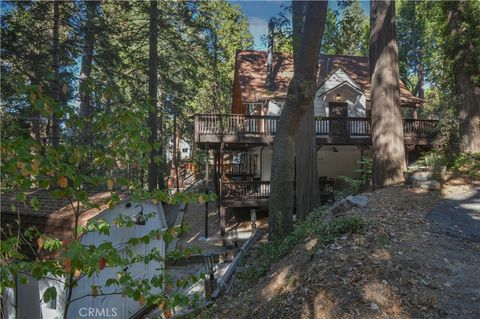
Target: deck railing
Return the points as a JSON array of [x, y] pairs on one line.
[[420, 128], [256, 125], [238, 169], [242, 190]]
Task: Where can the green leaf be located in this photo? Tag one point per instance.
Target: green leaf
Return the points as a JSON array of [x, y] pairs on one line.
[[44, 183], [49, 294], [34, 203], [22, 196]]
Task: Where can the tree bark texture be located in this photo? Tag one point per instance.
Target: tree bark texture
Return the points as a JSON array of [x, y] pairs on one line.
[[307, 193], [308, 26], [54, 131], [468, 92], [152, 95], [387, 133], [36, 116], [85, 96]]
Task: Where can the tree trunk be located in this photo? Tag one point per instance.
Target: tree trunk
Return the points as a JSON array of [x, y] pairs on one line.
[[417, 46], [85, 98], [308, 25], [419, 90], [306, 174], [36, 116], [387, 133], [152, 92], [468, 92], [175, 157], [162, 152], [54, 132], [215, 73]]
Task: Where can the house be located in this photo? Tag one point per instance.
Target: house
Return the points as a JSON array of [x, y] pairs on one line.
[[184, 150], [242, 141], [56, 218]]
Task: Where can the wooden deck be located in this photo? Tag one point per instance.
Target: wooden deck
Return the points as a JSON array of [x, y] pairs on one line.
[[236, 184], [234, 130]]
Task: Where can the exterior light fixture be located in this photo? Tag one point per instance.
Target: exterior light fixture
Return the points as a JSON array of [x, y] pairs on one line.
[[338, 98], [139, 219]]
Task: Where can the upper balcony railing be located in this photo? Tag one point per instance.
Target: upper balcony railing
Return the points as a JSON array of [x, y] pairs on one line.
[[258, 126]]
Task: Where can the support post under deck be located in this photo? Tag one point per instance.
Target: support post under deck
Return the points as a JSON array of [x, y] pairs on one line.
[[222, 207], [206, 191]]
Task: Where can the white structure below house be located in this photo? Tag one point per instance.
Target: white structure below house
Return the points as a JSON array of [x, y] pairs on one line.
[[184, 150], [112, 304]]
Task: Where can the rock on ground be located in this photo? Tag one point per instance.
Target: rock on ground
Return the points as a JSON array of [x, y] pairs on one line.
[[429, 185], [349, 202]]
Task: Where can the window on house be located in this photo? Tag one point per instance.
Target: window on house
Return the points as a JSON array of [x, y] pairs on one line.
[[184, 150]]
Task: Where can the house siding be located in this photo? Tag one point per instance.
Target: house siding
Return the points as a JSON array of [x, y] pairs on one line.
[[355, 98]]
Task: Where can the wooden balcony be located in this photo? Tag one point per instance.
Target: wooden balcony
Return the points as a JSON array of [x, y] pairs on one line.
[[238, 129], [245, 193], [257, 193]]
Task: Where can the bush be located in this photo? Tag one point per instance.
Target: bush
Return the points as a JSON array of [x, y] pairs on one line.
[[366, 170], [467, 164], [463, 164], [353, 186], [432, 159]]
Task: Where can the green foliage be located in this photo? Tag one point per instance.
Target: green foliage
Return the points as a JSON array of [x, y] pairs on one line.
[[353, 186], [345, 34], [330, 35], [365, 170], [353, 35], [435, 160], [432, 159], [28, 164], [314, 228], [49, 294], [412, 41], [467, 165], [282, 33]]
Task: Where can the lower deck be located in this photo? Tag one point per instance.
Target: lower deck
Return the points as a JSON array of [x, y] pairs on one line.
[[241, 177]]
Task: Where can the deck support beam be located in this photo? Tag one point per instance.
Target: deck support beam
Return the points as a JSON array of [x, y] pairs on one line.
[[206, 190], [221, 206], [223, 211], [408, 149]]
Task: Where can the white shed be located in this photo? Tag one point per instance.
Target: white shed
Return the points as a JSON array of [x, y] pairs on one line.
[[30, 304]]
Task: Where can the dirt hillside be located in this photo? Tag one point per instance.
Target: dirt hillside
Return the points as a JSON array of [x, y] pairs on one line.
[[398, 266]]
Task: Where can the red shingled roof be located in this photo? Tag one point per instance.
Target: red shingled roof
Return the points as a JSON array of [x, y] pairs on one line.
[[251, 74], [55, 216]]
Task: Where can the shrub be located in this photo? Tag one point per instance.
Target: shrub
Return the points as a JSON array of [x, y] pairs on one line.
[[366, 170], [353, 186], [467, 164]]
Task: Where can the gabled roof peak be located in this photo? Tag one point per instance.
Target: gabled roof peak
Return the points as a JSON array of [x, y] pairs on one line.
[[251, 75]]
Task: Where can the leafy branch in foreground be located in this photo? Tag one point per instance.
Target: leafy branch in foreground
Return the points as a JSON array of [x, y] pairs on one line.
[[29, 167]]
